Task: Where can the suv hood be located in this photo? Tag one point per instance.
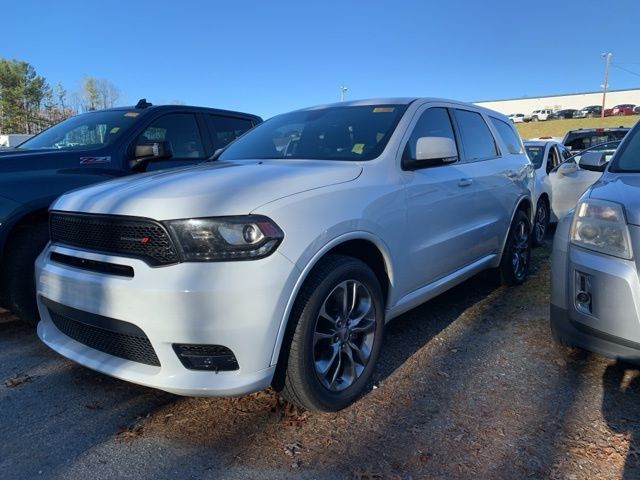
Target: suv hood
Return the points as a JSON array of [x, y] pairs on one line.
[[621, 188], [210, 189]]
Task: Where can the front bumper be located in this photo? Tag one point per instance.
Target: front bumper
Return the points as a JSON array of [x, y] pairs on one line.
[[239, 305], [612, 327]]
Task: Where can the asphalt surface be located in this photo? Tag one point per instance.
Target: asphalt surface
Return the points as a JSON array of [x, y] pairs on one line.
[[469, 385]]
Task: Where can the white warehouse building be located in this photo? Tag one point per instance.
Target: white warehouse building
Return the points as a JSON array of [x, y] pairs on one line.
[[560, 102]]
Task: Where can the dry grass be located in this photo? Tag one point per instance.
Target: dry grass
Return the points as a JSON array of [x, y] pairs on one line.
[[557, 128]]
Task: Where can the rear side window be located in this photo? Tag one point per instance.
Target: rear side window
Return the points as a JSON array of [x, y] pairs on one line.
[[508, 135], [227, 129], [434, 122], [475, 136], [180, 130]]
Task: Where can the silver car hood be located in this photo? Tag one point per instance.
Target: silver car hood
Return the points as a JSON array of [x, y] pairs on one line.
[[210, 189], [621, 188]]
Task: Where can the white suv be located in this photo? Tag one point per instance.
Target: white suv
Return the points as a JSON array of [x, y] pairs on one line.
[[280, 262], [537, 115]]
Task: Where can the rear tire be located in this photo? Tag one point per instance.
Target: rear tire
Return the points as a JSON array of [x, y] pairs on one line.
[[541, 222], [18, 275], [514, 266], [329, 361]]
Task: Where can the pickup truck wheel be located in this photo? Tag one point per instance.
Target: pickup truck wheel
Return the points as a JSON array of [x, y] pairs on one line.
[[516, 256], [19, 278], [338, 327], [541, 222], [534, 119]]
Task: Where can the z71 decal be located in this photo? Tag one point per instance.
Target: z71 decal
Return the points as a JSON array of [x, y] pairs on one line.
[[92, 160]]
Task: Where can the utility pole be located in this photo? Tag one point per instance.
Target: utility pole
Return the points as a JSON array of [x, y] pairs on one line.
[[607, 59], [342, 90]]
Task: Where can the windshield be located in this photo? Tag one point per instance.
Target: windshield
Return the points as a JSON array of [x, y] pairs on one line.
[[86, 131], [535, 153], [628, 157], [333, 133]]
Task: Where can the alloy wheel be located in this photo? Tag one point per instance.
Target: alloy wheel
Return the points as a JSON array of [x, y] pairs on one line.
[[344, 335], [520, 250], [540, 227]]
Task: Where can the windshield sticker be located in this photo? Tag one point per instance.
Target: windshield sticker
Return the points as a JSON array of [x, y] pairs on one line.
[[131, 114], [358, 148], [94, 160], [114, 130], [383, 109]]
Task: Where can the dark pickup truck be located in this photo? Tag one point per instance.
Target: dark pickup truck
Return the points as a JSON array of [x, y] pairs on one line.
[[86, 149]]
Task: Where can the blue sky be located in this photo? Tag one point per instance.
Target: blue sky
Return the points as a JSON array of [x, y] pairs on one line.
[[268, 57]]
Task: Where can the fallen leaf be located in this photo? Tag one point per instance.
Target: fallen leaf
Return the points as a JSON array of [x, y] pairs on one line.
[[16, 380]]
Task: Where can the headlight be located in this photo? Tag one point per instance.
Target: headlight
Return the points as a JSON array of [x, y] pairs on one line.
[[601, 226], [226, 238]]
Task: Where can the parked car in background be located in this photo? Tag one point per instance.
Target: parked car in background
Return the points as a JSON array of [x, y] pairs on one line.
[[595, 265], [619, 110], [582, 138], [545, 155], [589, 112], [86, 149], [570, 180], [516, 117], [13, 139], [538, 115], [636, 110], [282, 266], [562, 114]]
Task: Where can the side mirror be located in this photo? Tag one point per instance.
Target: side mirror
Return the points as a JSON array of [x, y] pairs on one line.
[[567, 168], [594, 161], [147, 152], [432, 151]]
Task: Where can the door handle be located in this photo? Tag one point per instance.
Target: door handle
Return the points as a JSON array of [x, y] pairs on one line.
[[465, 182]]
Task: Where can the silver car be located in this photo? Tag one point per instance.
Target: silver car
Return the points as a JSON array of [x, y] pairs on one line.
[[595, 297]]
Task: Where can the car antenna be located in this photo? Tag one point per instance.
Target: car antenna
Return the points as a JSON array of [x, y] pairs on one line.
[[142, 103]]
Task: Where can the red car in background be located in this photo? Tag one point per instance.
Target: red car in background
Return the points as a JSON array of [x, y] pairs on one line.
[[623, 109]]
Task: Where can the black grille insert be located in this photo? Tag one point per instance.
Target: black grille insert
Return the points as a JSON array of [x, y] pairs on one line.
[[93, 265], [115, 337], [130, 236], [206, 357]]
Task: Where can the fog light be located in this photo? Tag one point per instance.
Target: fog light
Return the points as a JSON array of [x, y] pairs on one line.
[[584, 300], [206, 357]]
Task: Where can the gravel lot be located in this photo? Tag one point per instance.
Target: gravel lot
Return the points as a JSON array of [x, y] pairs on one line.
[[470, 386]]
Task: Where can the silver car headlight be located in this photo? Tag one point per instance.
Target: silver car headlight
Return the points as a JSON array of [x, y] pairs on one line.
[[225, 238], [601, 226]]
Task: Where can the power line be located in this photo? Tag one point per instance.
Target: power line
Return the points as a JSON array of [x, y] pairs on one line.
[[626, 69]]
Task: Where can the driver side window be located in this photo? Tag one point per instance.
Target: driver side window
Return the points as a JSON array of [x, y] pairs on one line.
[[553, 159], [180, 130], [434, 122]]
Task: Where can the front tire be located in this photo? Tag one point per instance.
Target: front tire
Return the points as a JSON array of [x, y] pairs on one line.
[[19, 276], [337, 332], [541, 222], [514, 266]]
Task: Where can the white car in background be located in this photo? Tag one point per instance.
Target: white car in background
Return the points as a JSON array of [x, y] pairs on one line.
[[516, 117], [538, 115], [559, 180]]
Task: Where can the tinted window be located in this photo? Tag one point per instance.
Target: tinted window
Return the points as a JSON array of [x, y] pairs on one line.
[[227, 129], [628, 157], [582, 140], [86, 131], [508, 135], [180, 130], [332, 133], [477, 141], [434, 122], [565, 153]]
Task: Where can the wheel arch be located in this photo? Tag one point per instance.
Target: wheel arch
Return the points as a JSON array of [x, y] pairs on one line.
[[524, 204], [362, 245]]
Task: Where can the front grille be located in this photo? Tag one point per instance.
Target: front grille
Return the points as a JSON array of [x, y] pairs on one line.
[[130, 236], [135, 347]]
